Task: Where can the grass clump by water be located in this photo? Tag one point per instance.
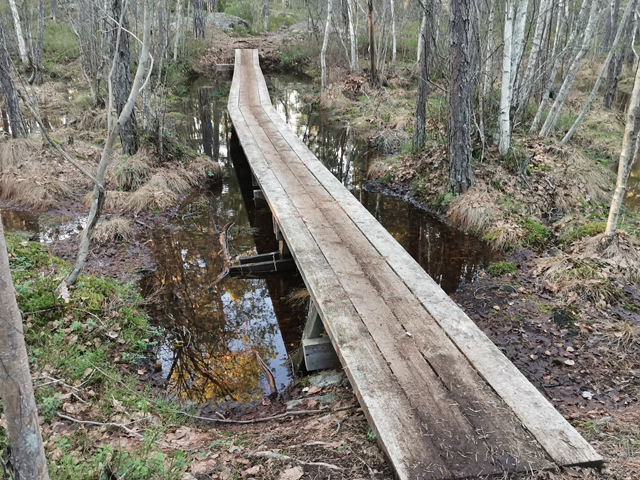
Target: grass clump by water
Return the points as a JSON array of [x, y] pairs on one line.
[[84, 352], [535, 234], [587, 230], [501, 268]]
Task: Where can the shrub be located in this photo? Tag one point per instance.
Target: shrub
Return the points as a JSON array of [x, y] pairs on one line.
[[500, 268]]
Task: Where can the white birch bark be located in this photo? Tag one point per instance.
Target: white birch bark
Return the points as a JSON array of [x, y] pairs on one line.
[[423, 26], [544, 14], [22, 46], [176, 40], [489, 50], [518, 44], [325, 42], [627, 159], [621, 26], [561, 98], [505, 96], [16, 386], [393, 35], [352, 37]]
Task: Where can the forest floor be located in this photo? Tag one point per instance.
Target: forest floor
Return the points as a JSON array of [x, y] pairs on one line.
[[577, 341]]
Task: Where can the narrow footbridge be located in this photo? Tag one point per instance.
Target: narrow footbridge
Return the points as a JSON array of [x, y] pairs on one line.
[[442, 399]]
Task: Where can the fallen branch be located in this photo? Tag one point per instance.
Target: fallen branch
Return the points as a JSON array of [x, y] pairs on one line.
[[256, 420], [277, 456]]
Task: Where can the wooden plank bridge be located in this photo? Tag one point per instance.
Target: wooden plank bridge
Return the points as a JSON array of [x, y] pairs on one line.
[[442, 399]]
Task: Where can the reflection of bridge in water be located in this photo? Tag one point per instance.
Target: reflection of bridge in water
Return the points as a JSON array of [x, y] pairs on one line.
[[443, 401]]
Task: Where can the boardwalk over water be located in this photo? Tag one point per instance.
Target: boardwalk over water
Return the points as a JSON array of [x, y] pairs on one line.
[[442, 399]]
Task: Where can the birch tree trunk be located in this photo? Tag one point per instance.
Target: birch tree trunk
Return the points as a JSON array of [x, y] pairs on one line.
[[267, 21], [198, 19], [16, 121], [22, 46], [352, 37], [561, 98], [393, 36], [323, 52], [423, 26], [372, 47], [489, 50], [460, 173], [505, 95], [625, 17], [176, 40], [98, 198], [38, 68], [615, 67], [518, 44], [627, 158], [532, 64], [53, 6], [16, 387]]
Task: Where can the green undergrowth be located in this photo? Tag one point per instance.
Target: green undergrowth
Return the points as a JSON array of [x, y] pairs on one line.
[[86, 352], [501, 268]]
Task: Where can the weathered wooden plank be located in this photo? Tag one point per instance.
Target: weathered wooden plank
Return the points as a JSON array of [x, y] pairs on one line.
[[554, 433], [373, 381]]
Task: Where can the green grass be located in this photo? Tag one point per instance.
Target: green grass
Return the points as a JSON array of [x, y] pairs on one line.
[[59, 44], [82, 341], [501, 268], [587, 230], [535, 233], [297, 53]]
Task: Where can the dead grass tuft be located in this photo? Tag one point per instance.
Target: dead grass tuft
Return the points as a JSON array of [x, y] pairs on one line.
[[299, 298], [390, 141], [151, 196], [129, 173], [113, 230], [203, 167], [377, 170], [472, 211], [116, 200], [579, 179], [31, 188], [18, 151], [92, 120]]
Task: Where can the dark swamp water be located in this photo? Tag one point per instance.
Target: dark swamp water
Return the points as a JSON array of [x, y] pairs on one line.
[[217, 332]]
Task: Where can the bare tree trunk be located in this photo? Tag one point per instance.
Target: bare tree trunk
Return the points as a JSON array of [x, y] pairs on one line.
[[267, 21], [518, 44], [22, 46], [610, 25], [16, 121], [460, 172], [506, 92], [198, 19], [98, 198], [53, 6], [352, 37], [176, 40], [122, 81], [323, 52], [489, 50], [625, 17], [16, 387], [544, 14], [393, 36], [627, 158], [423, 25], [372, 48], [38, 68], [615, 65], [561, 98], [420, 118]]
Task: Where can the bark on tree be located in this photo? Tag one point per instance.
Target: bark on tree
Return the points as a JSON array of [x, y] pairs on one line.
[[38, 68], [323, 52], [198, 19], [615, 65], [489, 50], [625, 18], [627, 159], [53, 6], [518, 43], [505, 95], [393, 35], [420, 118], [22, 46], [563, 93], [176, 40], [122, 81], [543, 19], [98, 198], [16, 388], [352, 38], [372, 48], [423, 25], [460, 172], [16, 121], [267, 21], [610, 25]]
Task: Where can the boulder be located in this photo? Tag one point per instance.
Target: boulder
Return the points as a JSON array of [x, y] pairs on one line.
[[226, 21]]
